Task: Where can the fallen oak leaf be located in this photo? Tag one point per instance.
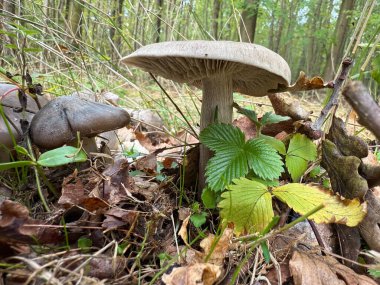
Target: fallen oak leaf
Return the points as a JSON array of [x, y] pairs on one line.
[[343, 172], [347, 145], [313, 269]]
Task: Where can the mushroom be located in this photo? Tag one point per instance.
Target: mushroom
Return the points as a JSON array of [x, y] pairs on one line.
[[58, 122], [217, 67], [11, 103]]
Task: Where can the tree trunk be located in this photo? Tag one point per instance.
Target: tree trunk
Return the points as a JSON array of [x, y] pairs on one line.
[[117, 15], [314, 17], [341, 33], [281, 21], [249, 20], [271, 29], [158, 21], [215, 18], [75, 14]]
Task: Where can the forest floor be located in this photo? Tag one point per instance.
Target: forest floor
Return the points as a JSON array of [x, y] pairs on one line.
[[134, 218]]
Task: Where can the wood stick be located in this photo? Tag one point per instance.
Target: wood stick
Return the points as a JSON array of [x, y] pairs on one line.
[[364, 105]]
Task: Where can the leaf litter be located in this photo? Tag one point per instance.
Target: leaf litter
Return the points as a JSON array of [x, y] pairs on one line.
[[125, 211]]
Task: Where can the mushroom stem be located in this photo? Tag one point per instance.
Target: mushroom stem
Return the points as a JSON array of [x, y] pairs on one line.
[[216, 104]]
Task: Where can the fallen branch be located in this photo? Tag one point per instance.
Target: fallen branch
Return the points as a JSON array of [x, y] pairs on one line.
[[362, 102], [346, 65]]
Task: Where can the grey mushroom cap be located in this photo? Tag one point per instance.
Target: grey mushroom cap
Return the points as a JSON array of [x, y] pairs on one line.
[[58, 122], [254, 69], [11, 103]]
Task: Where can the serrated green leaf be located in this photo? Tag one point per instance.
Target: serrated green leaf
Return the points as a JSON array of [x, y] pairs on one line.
[[302, 198], [220, 137], [250, 114], [248, 205], [271, 118], [224, 167], [268, 183], [61, 156], [301, 150], [263, 159], [233, 156], [296, 167], [275, 143]]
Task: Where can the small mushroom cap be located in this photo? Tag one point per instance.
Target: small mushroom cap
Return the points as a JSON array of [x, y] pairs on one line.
[[254, 69], [59, 121], [10, 103]]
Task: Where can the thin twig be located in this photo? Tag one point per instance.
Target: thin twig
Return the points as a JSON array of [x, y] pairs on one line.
[[175, 105], [333, 102]]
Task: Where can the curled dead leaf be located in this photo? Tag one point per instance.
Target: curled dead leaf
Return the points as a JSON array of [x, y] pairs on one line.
[[196, 274], [303, 84], [217, 248]]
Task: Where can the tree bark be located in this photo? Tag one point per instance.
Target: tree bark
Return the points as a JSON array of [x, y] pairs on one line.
[[215, 18], [281, 21], [117, 15], [75, 14], [249, 20], [158, 21], [341, 33]]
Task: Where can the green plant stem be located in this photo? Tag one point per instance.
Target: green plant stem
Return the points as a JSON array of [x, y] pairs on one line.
[[47, 182], [257, 242], [38, 183]]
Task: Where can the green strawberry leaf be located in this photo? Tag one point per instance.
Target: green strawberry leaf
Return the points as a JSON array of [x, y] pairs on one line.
[[301, 150], [248, 205], [234, 157]]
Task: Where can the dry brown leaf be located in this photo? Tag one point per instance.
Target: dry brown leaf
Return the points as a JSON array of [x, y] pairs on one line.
[[196, 274], [117, 181], [92, 204], [148, 164], [17, 227], [117, 217], [218, 250], [309, 269], [246, 126], [72, 191], [303, 84], [183, 231]]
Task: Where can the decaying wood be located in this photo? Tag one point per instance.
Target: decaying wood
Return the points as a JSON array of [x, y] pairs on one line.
[[362, 102]]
